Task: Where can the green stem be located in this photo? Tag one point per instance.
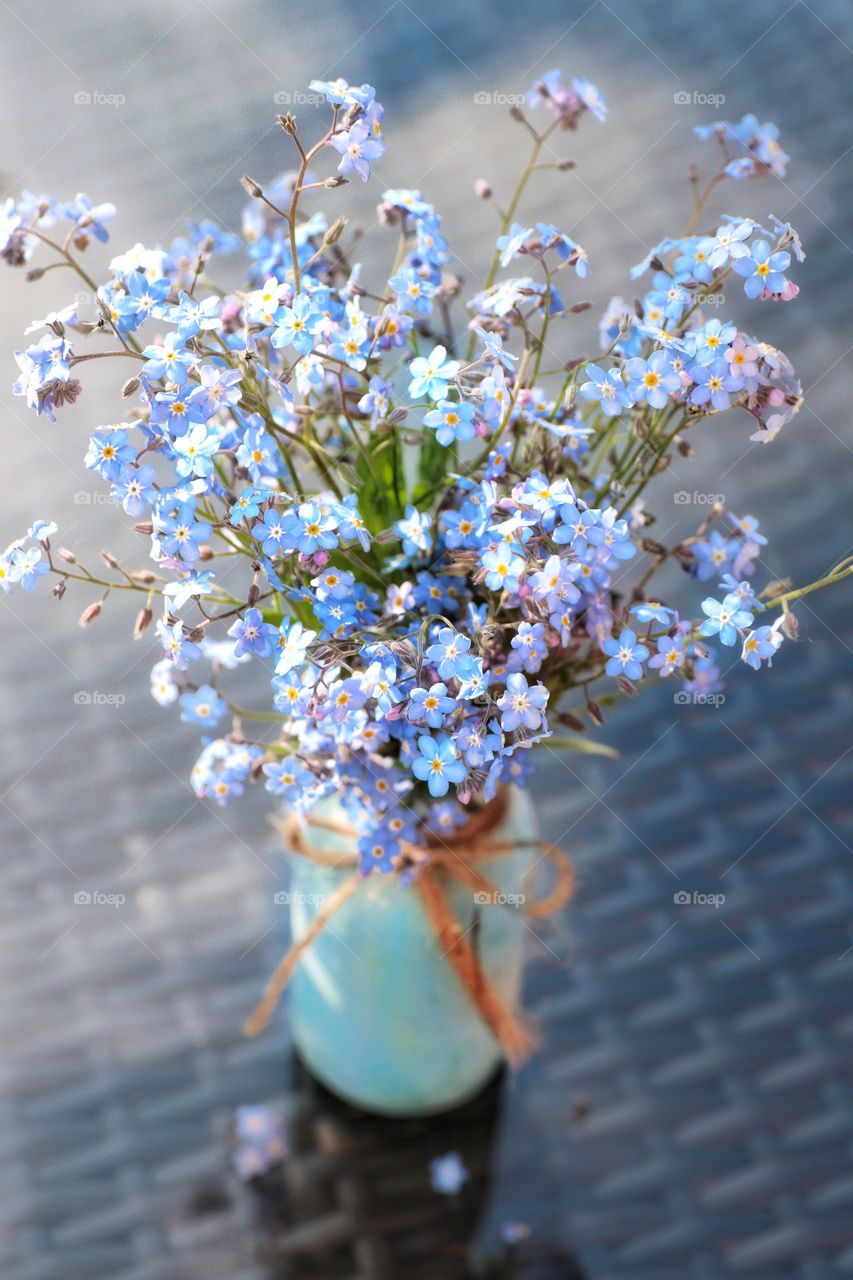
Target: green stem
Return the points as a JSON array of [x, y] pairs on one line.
[[813, 586], [506, 221]]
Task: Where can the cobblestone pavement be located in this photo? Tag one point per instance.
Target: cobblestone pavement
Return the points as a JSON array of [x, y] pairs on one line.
[[690, 1115]]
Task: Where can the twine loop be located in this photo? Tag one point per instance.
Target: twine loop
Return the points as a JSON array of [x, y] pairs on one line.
[[437, 861]]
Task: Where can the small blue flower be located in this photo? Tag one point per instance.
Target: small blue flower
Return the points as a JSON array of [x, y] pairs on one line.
[[192, 316], [203, 706], [625, 655], [452, 421], [450, 653], [474, 682], [504, 569], [195, 451], [357, 149], [712, 341], [89, 219], [529, 642], [219, 388], [714, 555], [431, 375], [448, 1174], [287, 778], [714, 385], [414, 293], [652, 611], [181, 534], [607, 388], [385, 689], [566, 248], [172, 413], [340, 94], [511, 244], [653, 380], [109, 453], [294, 642], [26, 566], [345, 696], [271, 531], [724, 619], [438, 764], [522, 705], [670, 654], [430, 706], [378, 849], [377, 400], [494, 346], [763, 269], [761, 645], [176, 645], [260, 1146], [414, 531], [252, 635], [168, 360], [135, 489], [309, 528], [591, 97], [295, 325], [189, 587]]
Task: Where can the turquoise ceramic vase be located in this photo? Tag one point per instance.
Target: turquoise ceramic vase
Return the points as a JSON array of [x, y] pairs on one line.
[[377, 1012]]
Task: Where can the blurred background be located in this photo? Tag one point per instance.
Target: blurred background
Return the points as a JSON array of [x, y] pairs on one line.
[[689, 1116]]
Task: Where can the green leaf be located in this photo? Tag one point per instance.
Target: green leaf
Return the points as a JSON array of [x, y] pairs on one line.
[[381, 495], [586, 746], [434, 462]]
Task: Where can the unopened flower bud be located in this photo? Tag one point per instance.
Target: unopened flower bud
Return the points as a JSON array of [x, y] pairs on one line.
[[335, 231], [90, 613], [483, 189], [288, 122], [144, 576], [66, 555], [109, 559], [565, 165], [59, 589], [626, 686], [206, 552], [252, 595], [130, 387], [143, 621], [336, 180], [595, 712], [145, 527], [35, 273], [251, 186], [387, 213], [790, 625]]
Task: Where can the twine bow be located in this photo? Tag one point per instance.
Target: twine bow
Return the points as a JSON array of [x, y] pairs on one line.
[[456, 858]]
